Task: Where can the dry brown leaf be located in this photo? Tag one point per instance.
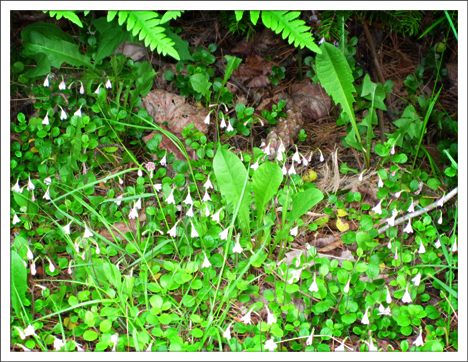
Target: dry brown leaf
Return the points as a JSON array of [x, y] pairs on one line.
[[254, 72], [171, 108], [312, 99]]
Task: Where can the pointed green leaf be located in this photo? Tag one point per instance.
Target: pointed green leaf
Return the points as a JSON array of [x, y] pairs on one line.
[[18, 285], [303, 202], [265, 183]]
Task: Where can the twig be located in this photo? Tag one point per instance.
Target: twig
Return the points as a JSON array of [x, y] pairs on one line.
[[419, 212]]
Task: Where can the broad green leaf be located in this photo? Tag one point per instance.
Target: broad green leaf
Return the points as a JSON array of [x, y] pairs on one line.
[[254, 15], [239, 14], [303, 202], [200, 84], [265, 183], [18, 285], [50, 30], [110, 36], [113, 275], [67, 14], [230, 175], [232, 64], [90, 335], [57, 51]]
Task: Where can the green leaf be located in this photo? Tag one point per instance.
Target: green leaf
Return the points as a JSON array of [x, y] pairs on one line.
[[348, 318], [265, 183], [254, 15], [57, 51], [110, 36], [90, 335], [171, 14], [180, 166], [303, 202], [181, 46], [231, 174], [113, 275], [336, 77], [18, 284], [232, 64], [70, 15], [200, 84], [239, 14]]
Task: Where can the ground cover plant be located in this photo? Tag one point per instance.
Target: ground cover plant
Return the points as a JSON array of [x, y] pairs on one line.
[[176, 185]]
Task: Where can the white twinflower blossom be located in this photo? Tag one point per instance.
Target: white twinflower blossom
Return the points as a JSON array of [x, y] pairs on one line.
[[62, 85], [237, 247], [292, 171], [97, 90], [359, 179], [29, 254], [63, 115], [163, 161], [33, 268], [392, 151], [133, 213], [87, 233], [284, 170], [51, 266], [190, 211], [173, 231], [408, 229], [81, 89], [223, 123], [411, 207], [170, 198], [115, 341], [454, 246], [207, 119], [293, 231], [440, 219], [229, 127], [224, 234], [340, 348], [397, 194], [389, 297], [48, 180], [206, 263], [16, 219], [365, 318], [389, 245], [296, 157], [406, 297], [387, 311], [246, 318], [46, 81], [255, 166], [440, 202], [419, 341], [304, 161], [227, 332], [270, 345], [380, 183], [108, 84], [16, 187], [295, 274], [120, 181], [58, 343], [45, 121], [270, 317], [321, 156], [206, 197], [417, 279], [346, 287], [279, 156], [437, 244], [138, 204], [188, 200], [314, 287], [208, 185], [378, 208], [30, 185], [422, 249], [391, 220], [194, 233], [47, 194], [118, 202], [215, 217]]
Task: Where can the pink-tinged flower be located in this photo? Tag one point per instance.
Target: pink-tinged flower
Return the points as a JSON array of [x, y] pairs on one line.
[[270, 345], [78, 112], [77, 247], [223, 123], [270, 318], [207, 211], [208, 185], [389, 297], [83, 255], [78, 347], [190, 211], [360, 176], [69, 271], [296, 157], [422, 249], [140, 173], [206, 197], [25, 349], [173, 231], [365, 318], [163, 161], [63, 115], [81, 89], [292, 171], [21, 333], [194, 233], [47, 194], [279, 156], [120, 181], [266, 150], [440, 219], [33, 199], [119, 201], [321, 40], [51, 266], [314, 287], [29, 254], [417, 279], [227, 332], [285, 172], [419, 341], [97, 90], [386, 311], [30, 185], [440, 202], [391, 220], [150, 166], [170, 199], [206, 263], [16, 219], [437, 244], [33, 268], [237, 247], [389, 245], [408, 229], [62, 85], [133, 213], [16, 187], [346, 287], [454, 247], [188, 200], [255, 166], [207, 119], [108, 84], [310, 339], [378, 208], [293, 231], [371, 346], [215, 217], [393, 173], [310, 157], [411, 207], [397, 194], [46, 81], [48, 180], [45, 121], [392, 151], [87, 233], [304, 161], [115, 341], [406, 297], [229, 127], [380, 184], [224, 234], [246, 318], [396, 253]]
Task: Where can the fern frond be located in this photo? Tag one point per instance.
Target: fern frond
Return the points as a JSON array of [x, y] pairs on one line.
[[145, 24], [330, 25], [70, 15], [285, 22], [170, 15], [399, 21]]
